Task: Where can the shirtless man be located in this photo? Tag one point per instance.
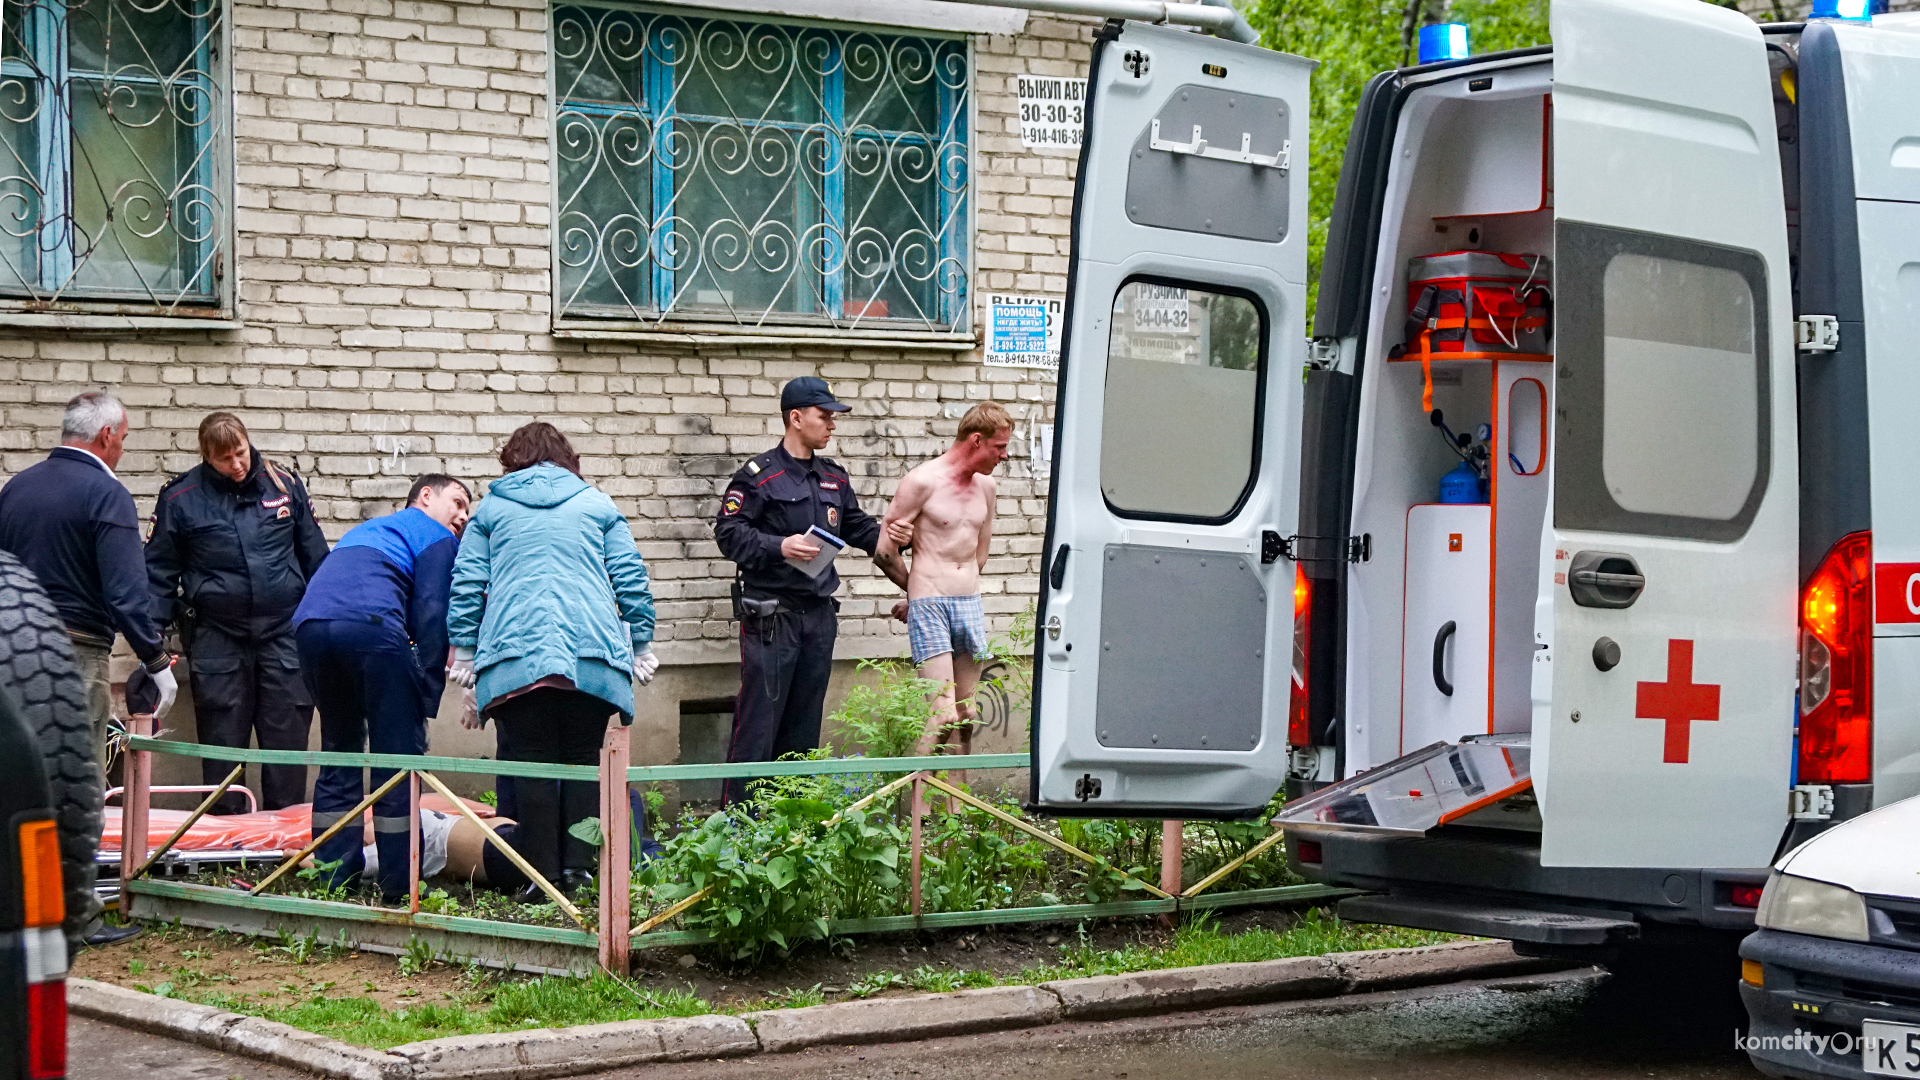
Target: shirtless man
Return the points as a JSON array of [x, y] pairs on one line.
[[948, 503]]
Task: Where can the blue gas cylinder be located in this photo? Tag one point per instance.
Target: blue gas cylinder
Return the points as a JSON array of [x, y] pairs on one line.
[[1462, 485]]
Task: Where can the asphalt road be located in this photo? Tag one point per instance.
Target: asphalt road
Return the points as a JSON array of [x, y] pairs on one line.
[[1571, 1026]]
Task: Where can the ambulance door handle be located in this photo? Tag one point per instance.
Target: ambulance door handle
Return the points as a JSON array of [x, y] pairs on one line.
[[1605, 579], [1440, 659], [1057, 576]]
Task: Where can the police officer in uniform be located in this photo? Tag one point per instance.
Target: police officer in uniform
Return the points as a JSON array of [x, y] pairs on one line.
[[788, 618], [232, 547]]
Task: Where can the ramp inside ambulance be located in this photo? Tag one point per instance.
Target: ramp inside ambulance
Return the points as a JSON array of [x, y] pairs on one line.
[[1438, 785], [1410, 795]]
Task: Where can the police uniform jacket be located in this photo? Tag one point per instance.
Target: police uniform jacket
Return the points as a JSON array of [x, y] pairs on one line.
[[239, 554], [774, 496]]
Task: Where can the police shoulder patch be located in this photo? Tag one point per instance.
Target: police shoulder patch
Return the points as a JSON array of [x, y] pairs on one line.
[[731, 504]]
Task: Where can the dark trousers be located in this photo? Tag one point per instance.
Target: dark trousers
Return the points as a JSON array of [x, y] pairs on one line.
[[566, 727], [367, 684], [245, 690], [785, 662]]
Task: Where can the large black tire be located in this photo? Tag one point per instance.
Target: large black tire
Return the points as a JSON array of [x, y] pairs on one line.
[[37, 665]]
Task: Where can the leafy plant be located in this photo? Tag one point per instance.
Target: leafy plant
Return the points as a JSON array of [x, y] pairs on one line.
[[299, 948], [415, 958], [872, 984], [440, 902], [797, 998], [887, 718]]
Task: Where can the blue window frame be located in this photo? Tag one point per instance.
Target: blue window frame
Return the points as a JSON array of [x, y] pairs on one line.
[[114, 151], [759, 172]]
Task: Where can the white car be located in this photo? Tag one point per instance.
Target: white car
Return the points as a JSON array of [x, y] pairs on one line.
[[1831, 979]]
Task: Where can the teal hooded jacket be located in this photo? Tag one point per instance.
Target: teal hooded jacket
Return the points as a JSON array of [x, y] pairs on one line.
[[548, 582]]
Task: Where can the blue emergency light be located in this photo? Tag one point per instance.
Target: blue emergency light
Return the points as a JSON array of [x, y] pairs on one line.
[[1448, 41], [1850, 10]]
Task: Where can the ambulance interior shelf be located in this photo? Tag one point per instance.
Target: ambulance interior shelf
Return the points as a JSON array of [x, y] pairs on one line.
[[1471, 562]]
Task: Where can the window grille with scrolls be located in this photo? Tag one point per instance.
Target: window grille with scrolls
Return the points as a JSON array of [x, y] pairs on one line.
[[759, 173], [115, 155]]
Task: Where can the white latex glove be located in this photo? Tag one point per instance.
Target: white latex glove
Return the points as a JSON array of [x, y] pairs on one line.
[[470, 710], [169, 688], [644, 665], [460, 672]]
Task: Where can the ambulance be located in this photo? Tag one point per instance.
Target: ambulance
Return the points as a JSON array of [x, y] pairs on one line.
[[1578, 577]]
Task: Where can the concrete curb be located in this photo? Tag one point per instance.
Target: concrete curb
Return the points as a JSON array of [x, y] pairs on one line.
[[232, 1033], [551, 1052], [963, 1012]]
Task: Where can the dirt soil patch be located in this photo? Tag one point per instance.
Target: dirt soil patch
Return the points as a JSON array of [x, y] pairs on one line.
[[192, 963]]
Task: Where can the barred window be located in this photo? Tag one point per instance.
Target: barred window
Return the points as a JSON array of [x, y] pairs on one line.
[[759, 172], [114, 151]]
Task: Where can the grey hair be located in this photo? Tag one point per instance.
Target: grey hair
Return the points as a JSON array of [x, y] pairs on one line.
[[91, 412]]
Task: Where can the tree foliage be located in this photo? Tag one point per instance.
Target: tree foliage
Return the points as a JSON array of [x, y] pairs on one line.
[[1355, 39]]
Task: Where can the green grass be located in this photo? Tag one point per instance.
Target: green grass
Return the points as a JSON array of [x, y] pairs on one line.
[[552, 1001], [561, 1002], [1199, 942]]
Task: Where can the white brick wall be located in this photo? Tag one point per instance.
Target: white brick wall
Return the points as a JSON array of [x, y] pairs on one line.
[[393, 277]]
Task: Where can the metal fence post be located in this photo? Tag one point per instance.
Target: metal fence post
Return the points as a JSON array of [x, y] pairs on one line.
[[413, 843], [134, 803], [616, 852], [1172, 855], [919, 811]]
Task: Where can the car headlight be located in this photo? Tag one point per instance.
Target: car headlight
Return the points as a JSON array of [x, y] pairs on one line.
[[1805, 906]]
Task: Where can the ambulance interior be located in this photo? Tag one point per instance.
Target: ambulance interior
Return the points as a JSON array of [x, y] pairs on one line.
[[1441, 618]]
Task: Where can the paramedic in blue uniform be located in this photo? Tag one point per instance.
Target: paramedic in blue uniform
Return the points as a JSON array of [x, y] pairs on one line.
[[373, 645], [231, 547], [788, 618]]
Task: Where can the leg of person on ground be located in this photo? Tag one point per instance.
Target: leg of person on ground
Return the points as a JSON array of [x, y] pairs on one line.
[[769, 648]]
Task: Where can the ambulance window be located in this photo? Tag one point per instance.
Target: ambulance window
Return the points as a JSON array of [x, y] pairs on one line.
[[1180, 419], [1681, 433], [1663, 397]]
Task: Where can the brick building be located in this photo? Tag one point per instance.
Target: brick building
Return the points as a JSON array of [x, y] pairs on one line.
[[387, 232]]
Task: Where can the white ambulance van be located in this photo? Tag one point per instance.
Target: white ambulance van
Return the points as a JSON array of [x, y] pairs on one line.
[[1580, 575]]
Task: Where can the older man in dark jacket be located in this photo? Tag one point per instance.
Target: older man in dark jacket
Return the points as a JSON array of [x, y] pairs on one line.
[[72, 522], [233, 546]]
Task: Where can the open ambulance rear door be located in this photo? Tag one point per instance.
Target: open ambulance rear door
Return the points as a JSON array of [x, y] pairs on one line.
[[1164, 651], [1674, 530]]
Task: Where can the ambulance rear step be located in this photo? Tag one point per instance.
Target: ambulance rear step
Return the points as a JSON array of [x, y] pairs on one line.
[[1410, 795], [1481, 919]]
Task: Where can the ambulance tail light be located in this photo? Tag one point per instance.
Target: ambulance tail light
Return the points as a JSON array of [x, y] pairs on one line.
[[45, 946], [1836, 666], [1297, 701]]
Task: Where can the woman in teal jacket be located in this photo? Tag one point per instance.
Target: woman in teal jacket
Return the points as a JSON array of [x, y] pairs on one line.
[[551, 621]]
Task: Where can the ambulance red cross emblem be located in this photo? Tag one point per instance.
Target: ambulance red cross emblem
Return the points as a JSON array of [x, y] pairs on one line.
[[1679, 701]]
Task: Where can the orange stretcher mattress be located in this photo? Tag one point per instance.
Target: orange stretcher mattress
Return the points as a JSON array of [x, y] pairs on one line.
[[286, 829]]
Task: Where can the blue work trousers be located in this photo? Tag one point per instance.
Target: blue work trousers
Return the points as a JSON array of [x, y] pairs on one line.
[[366, 685]]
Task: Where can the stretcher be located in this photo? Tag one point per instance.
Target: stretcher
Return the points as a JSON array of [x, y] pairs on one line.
[[232, 836]]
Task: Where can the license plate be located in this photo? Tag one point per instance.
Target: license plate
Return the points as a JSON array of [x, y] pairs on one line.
[[1889, 1049]]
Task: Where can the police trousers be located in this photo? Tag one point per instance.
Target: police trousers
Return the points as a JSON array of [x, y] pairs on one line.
[[367, 686], [245, 690], [785, 661]]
